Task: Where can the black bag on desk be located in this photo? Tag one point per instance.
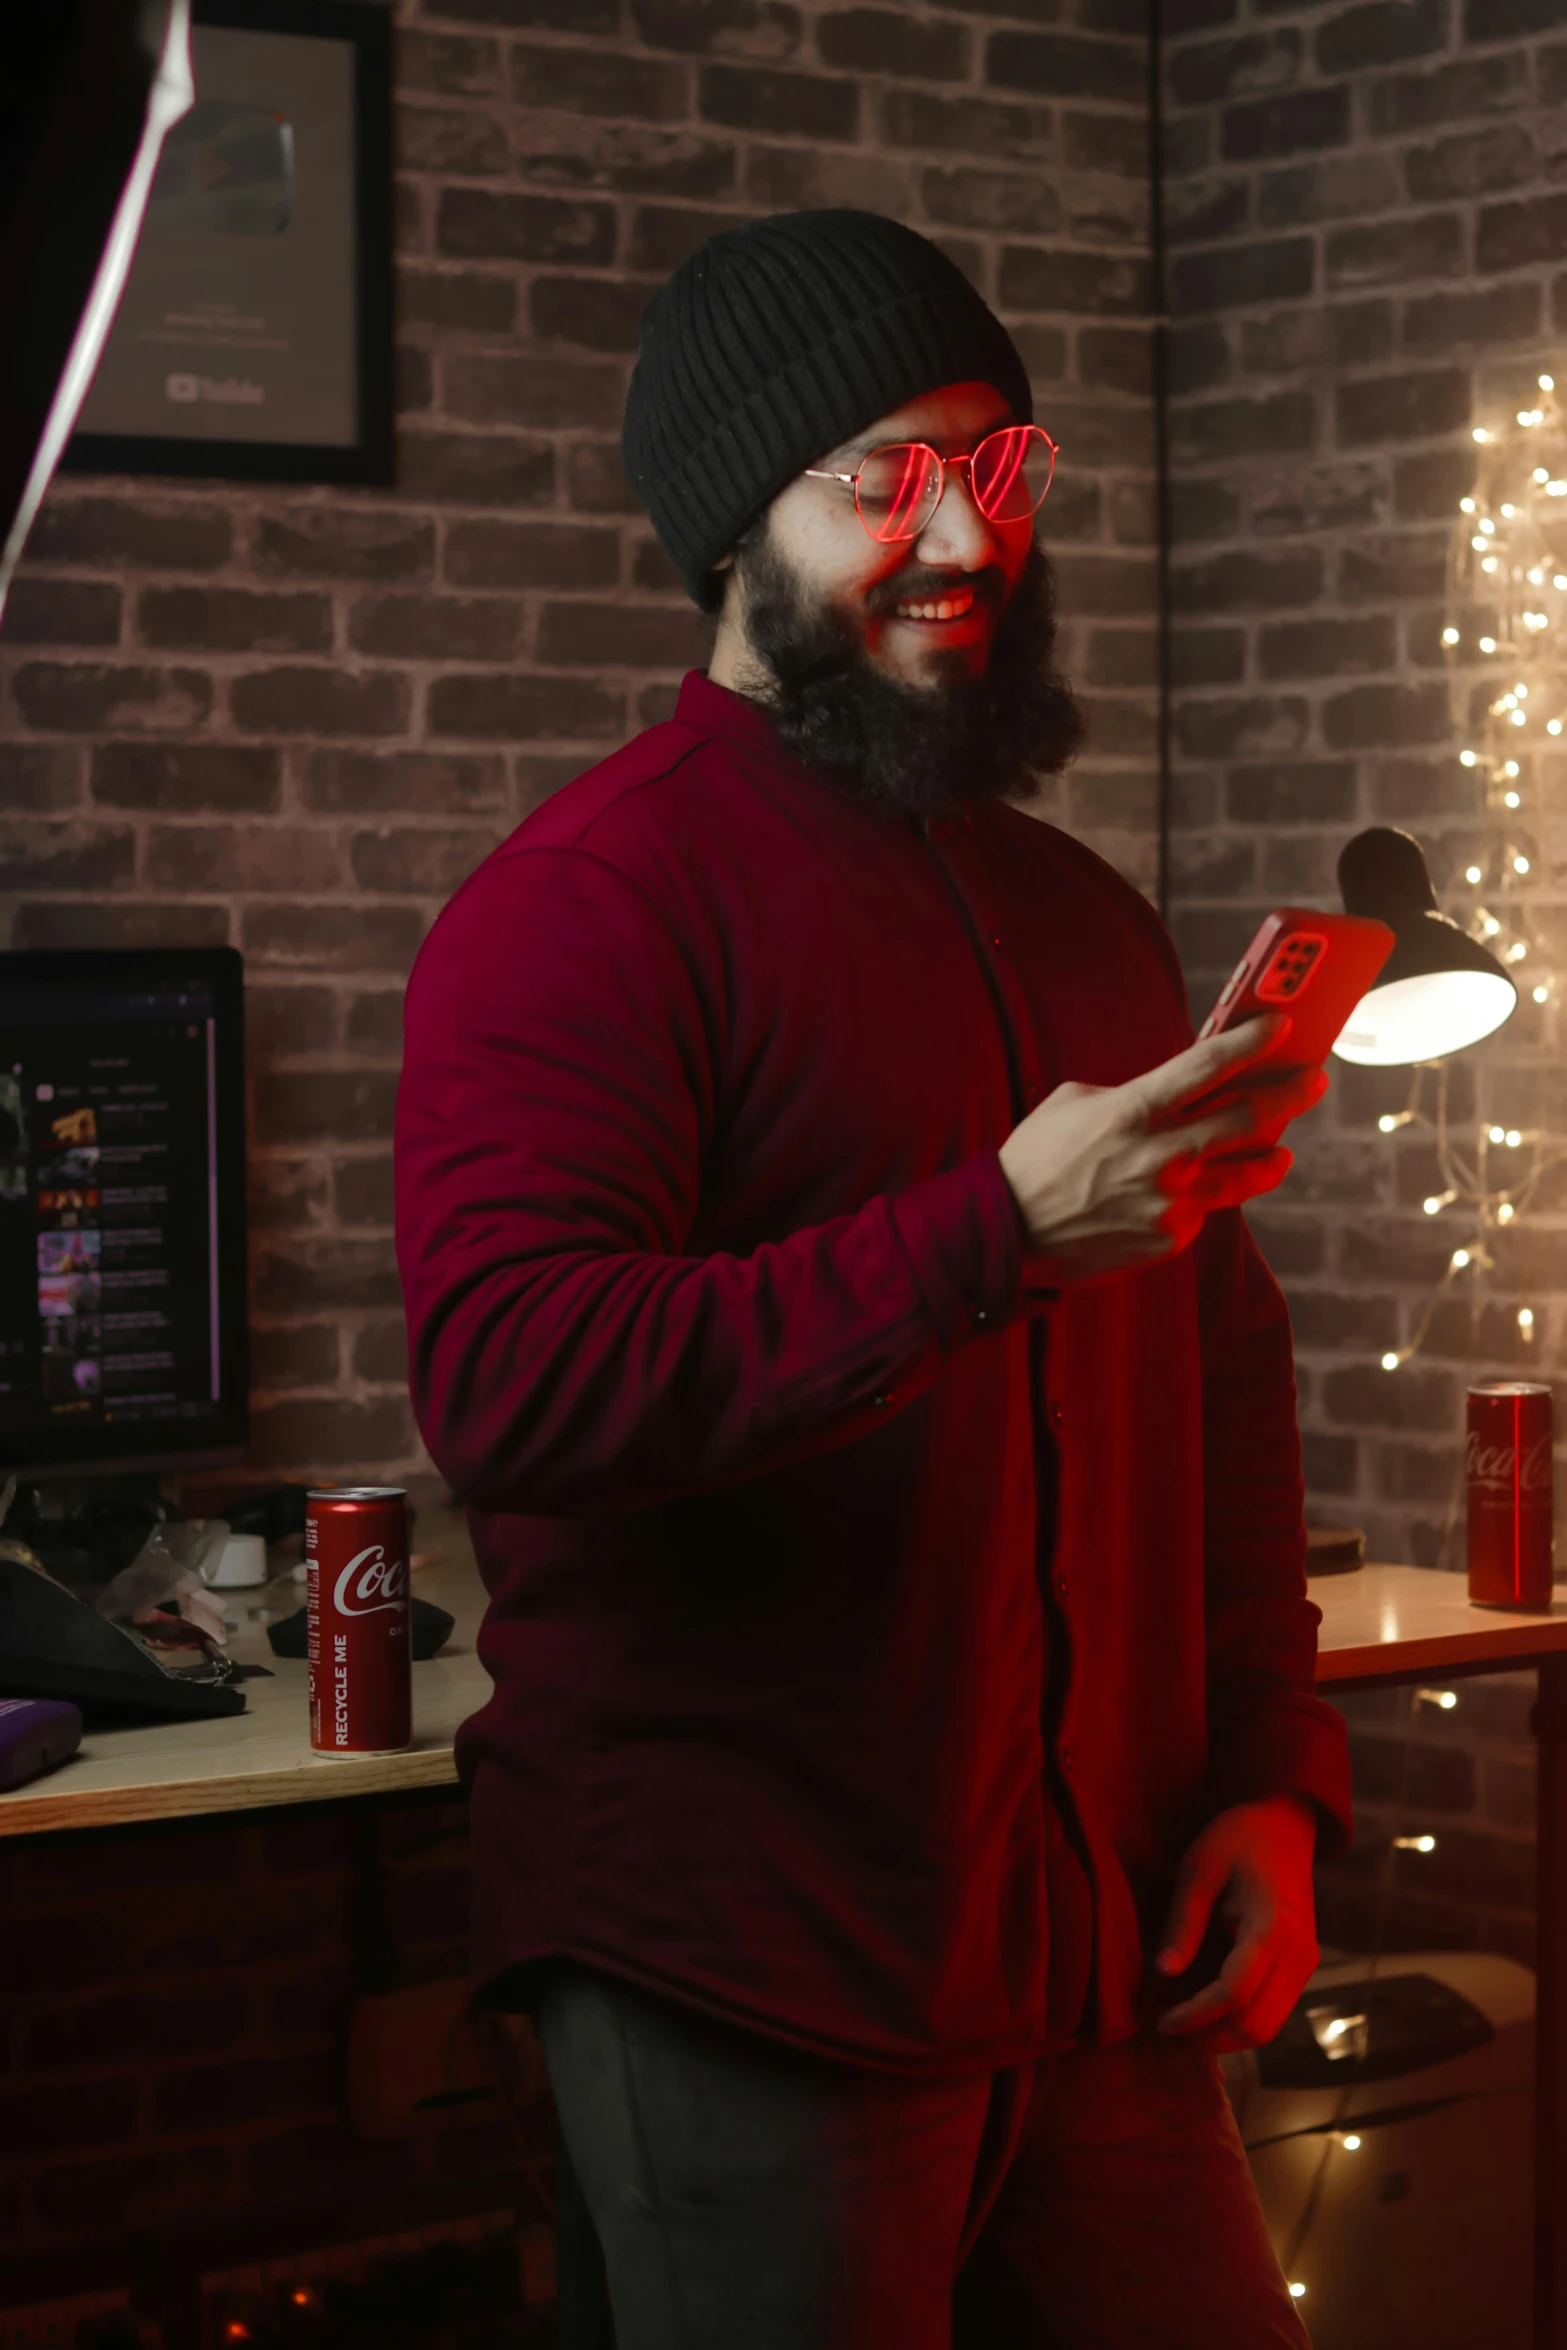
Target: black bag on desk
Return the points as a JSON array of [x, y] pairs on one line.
[[53, 1645], [429, 1627]]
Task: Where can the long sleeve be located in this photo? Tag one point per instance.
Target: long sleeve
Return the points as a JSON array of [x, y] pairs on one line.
[[561, 1100], [1269, 1732]]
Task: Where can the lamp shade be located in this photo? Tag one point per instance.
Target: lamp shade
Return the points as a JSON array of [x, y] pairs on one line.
[[1440, 990]]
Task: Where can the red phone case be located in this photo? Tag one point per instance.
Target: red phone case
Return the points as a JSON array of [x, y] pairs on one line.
[[1316, 967]]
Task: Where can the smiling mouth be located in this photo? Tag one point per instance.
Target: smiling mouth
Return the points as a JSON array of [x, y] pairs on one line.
[[950, 607]]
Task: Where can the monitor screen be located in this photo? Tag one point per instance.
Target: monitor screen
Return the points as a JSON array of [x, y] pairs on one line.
[[122, 1218]]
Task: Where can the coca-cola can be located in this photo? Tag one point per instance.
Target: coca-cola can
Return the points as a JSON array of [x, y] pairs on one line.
[[356, 1583], [1511, 1495]]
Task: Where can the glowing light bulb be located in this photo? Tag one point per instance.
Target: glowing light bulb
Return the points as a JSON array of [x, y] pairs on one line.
[[1497, 1134], [1507, 702], [1472, 873], [1490, 564], [1553, 726], [1481, 435], [1560, 581], [1467, 505], [1298, 2292], [1517, 951], [1351, 2144], [1547, 383], [1520, 864], [1526, 1321], [1488, 644], [1390, 1362], [1443, 1699], [1414, 1844], [1520, 718], [1489, 527], [1511, 800], [1506, 1212], [1490, 926], [1511, 767], [1537, 576], [1438, 1201], [1478, 545], [1508, 513], [1460, 1259], [1514, 1138], [1556, 489], [1468, 759], [1542, 995], [1450, 636], [1541, 475]]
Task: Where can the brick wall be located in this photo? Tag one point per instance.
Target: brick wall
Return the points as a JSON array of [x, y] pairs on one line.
[[1367, 248], [171, 2044], [293, 719]]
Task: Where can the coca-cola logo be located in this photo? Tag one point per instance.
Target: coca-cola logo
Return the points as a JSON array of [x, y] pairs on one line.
[[1497, 1465], [370, 1583]]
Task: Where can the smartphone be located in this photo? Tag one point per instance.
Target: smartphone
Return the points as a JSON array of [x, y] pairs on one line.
[[1316, 968]]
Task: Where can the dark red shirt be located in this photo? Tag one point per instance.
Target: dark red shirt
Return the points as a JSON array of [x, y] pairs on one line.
[[719, 1327]]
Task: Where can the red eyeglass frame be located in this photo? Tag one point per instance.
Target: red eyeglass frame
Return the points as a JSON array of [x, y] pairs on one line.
[[901, 537]]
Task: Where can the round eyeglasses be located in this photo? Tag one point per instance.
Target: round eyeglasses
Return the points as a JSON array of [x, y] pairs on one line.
[[898, 486]]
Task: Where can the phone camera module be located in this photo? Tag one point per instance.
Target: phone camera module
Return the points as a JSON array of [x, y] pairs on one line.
[[1290, 968]]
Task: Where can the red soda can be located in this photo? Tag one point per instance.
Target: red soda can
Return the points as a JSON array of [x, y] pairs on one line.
[[356, 1586], [1511, 1495]]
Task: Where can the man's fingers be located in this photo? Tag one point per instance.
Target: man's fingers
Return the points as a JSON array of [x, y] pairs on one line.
[[1268, 2012], [1233, 1989], [1189, 1075], [1255, 1118], [1250, 1963], [1209, 2006], [1246, 1978], [1202, 1879], [1230, 1182], [1257, 1111], [1233, 1124]]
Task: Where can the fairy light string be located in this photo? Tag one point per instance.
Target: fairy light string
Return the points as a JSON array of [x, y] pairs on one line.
[[1504, 643]]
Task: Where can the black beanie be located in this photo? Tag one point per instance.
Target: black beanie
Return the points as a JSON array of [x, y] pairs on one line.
[[774, 342]]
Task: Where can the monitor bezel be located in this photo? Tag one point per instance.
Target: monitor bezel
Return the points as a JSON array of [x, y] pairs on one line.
[[80, 1452]]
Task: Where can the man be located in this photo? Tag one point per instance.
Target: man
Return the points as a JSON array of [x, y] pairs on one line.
[[827, 1292]]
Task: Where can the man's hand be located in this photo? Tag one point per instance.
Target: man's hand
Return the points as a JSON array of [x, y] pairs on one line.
[[1259, 1857], [1110, 1177]]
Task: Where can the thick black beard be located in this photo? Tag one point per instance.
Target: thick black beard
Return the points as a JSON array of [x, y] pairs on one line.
[[911, 750]]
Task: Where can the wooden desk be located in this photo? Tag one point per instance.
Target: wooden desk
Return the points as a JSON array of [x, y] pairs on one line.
[[1386, 1625], [1383, 1625], [1397, 1624], [263, 1756]]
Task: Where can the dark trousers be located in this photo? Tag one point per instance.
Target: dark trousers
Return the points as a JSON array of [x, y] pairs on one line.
[[747, 2197]]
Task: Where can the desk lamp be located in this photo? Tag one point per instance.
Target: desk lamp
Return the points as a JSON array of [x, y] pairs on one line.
[[1440, 990]]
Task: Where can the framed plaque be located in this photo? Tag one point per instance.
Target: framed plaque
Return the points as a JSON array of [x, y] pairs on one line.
[[254, 336]]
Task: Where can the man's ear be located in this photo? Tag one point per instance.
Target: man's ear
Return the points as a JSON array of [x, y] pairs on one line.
[[731, 587]]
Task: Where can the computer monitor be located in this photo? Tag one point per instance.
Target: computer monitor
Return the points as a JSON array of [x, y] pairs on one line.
[[123, 1333]]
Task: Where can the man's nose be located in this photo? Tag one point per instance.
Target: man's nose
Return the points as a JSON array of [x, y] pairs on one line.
[[957, 536]]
